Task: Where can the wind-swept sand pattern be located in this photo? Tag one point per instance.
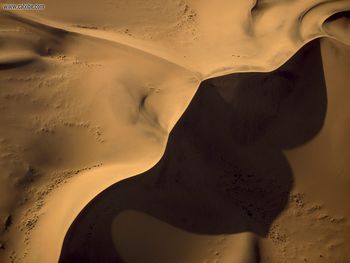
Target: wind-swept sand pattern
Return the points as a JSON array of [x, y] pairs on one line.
[[90, 92]]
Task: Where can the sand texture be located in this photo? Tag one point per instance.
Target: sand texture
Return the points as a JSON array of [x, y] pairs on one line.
[[174, 131]]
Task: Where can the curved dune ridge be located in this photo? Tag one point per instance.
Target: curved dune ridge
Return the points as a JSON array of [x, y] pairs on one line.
[[89, 94], [251, 174]]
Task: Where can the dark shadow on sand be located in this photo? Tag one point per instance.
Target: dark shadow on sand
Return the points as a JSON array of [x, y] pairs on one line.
[[224, 170]]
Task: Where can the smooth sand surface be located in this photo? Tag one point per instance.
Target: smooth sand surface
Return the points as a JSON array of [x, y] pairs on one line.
[[89, 93]]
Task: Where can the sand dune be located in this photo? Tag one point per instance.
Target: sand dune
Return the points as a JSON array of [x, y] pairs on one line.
[[191, 34], [236, 177], [130, 228], [90, 92]]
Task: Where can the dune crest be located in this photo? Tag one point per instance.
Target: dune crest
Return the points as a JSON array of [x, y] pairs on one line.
[[89, 95]]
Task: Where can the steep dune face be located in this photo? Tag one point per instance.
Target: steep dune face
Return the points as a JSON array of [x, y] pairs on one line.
[[315, 226], [89, 93], [243, 189]]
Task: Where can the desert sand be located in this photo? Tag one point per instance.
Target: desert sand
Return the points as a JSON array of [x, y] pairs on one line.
[[220, 129]]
